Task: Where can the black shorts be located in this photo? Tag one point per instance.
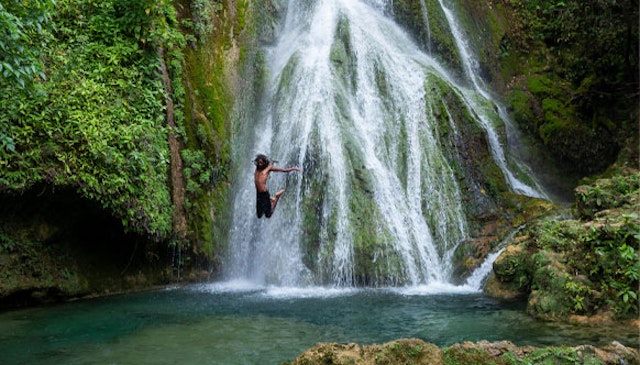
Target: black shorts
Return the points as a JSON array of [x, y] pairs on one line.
[[263, 204]]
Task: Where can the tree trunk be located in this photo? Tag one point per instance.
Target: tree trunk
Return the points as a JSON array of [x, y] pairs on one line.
[[177, 183]]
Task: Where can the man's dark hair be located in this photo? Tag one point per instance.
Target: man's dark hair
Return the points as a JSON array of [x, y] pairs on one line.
[[261, 158]]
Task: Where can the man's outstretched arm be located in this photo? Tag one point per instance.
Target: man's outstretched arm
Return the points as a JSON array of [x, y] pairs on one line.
[[289, 169]]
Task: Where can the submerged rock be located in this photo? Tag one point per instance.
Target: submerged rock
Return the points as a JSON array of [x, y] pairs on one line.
[[416, 351]]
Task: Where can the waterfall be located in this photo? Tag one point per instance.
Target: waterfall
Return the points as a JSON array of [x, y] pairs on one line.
[[357, 105], [472, 70]]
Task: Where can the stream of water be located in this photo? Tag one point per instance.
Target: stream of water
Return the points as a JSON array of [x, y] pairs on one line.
[[240, 323]]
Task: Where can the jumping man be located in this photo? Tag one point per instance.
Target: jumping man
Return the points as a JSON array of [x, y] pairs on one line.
[[265, 204]]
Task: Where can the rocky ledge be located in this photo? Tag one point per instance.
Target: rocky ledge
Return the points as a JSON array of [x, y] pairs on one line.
[[415, 351]]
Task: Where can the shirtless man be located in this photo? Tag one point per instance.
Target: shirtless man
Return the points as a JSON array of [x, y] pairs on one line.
[[265, 204]]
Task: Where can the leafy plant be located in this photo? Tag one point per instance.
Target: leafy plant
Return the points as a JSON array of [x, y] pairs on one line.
[[21, 24]]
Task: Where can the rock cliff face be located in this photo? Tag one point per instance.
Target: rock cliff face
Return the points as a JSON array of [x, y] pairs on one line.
[[414, 351]]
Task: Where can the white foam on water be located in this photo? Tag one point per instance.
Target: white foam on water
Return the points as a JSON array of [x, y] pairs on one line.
[[278, 292], [436, 288], [231, 286]]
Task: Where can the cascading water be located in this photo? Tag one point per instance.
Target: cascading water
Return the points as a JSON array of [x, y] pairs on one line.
[[472, 70], [358, 106]]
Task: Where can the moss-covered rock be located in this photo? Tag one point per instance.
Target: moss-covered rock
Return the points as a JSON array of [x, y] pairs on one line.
[[541, 105], [429, 27], [508, 266], [404, 351], [415, 351], [222, 33], [583, 267]]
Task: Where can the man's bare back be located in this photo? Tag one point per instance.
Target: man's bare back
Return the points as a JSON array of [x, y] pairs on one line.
[[265, 204]]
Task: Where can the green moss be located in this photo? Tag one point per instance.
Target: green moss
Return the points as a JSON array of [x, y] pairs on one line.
[[417, 352], [287, 75], [561, 355], [371, 239], [543, 86], [341, 54], [457, 355], [313, 210], [207, 125], [407, 351], [554, 108], [552, 58], [520, 102]]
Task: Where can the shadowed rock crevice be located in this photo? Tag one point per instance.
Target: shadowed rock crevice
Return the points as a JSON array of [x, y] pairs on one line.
[[55, 245]]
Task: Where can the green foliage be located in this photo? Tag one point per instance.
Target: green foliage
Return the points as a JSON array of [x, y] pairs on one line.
[[200, 176], [197, 170], [98, 124], [29, 265], [600, 263], [8, 244], [555, 355], [204, 12], [606, 194], [582, 267], [21, 25], [586, 37]]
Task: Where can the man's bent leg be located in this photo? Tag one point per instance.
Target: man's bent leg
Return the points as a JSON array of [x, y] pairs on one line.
[[274, 202]]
